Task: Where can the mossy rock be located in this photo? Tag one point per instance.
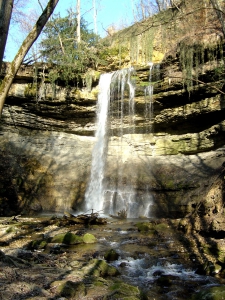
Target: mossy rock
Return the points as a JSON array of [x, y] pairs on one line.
[[89, 238], [68, 238], [124, 291], [98, 282], [76, 290], [150, 228], [209, 268], [212, 293], [11, 229], [111, 255], [145, 227], [100, 268], [214, 251], [161, 227], [130, 298], [221, 256], [37, 244]]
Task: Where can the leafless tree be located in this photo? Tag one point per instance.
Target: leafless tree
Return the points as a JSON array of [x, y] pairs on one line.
[[26, 45], [78, 22], [5, 16], [95, 17], [220, 13]]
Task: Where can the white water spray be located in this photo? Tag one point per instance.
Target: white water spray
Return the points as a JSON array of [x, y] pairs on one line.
[[113, 195], [94, 193], [121, 195], [149, 100]]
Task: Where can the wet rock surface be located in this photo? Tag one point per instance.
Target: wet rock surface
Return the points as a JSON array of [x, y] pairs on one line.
[[49, 171], [154, 260]]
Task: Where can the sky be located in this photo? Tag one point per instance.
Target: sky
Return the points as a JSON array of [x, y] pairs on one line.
[[109, 12]]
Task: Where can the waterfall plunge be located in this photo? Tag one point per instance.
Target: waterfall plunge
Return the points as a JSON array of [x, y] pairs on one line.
[[119, 88], [149, 100], [94, 194]]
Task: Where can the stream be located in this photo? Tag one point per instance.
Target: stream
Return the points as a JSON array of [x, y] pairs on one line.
[[157, 263], [149, 254]]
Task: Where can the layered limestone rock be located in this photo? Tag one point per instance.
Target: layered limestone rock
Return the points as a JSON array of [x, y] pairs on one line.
[[47, 136], [43, 170], [49, 171]]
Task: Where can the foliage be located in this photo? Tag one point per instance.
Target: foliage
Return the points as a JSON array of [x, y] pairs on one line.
[[68, 58], [111, 54], [194, 55]]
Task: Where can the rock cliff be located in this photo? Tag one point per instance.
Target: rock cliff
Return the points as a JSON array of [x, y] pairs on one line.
[[47, 136]]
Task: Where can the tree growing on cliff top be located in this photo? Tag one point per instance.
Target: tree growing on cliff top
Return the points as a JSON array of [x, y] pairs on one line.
[[63, 50], [26, 45]]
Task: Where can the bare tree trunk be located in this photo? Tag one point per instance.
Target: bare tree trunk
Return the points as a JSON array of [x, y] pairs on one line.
[[143, 10], [78, 21], [158, 4], [61, 43], [220, 14], [5, 16], [26, 45], [95, 17]]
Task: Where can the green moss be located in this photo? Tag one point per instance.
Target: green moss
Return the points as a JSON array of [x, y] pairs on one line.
[[76, 290], [30, 90], [89, 238], [125, 291], [11, 229], [101, 268], [37, 244], [213, 293], [192, 58], [151, 229], [214, 251], [145, 227], [144, 84], [161, 227], [98, 283], [68, 238]]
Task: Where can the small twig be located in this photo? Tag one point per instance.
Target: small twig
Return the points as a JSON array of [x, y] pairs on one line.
[[41, 5]]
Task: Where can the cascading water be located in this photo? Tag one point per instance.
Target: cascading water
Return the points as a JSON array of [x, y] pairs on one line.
[[121, 197], [118, 195], [149, 100], [94, 193]]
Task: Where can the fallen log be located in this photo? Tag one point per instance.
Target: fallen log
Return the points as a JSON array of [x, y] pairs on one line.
[[120, 215], [92, 219]]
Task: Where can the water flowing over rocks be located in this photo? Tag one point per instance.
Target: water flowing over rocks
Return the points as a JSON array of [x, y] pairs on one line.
[[54, 258]]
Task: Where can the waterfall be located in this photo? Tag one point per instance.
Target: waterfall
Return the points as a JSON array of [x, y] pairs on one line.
[[94, 193], [149, 100], [116, 114], [118, 196]]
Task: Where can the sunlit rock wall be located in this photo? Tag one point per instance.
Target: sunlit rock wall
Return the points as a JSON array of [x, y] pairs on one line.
[[47, 137]]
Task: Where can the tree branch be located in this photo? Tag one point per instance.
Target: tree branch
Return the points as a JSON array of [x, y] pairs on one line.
[[199, 81], [25, 47]]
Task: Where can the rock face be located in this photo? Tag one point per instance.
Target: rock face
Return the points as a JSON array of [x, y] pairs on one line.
[[176, 157]]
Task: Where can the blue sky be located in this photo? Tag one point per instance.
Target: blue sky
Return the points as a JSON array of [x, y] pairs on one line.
[[110, 12]]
